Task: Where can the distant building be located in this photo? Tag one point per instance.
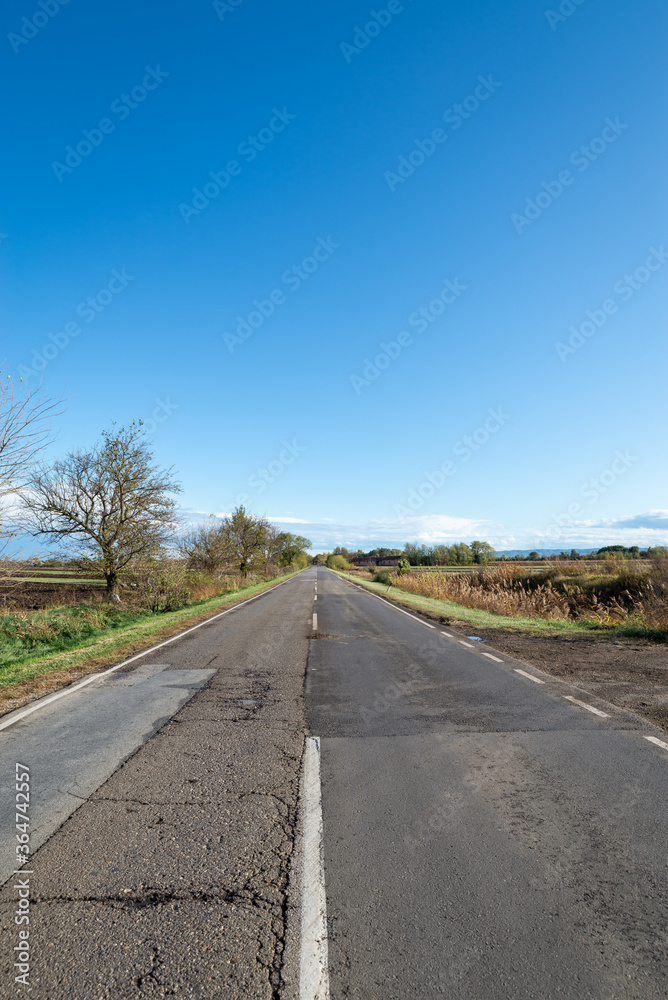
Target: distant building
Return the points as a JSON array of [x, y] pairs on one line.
[[368, 561]]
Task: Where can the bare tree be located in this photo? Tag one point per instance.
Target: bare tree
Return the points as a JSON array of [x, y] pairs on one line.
[[25, 429], [112, 502], [204, 547]]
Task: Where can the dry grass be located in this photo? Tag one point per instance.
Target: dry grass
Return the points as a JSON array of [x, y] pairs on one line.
[[633, 592]]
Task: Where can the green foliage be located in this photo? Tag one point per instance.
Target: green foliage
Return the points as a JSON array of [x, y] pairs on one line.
[[403, 566], [337, 562], [291, 549], [383, 577]]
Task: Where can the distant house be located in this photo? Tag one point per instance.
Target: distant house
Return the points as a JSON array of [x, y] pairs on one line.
[[369, 561]]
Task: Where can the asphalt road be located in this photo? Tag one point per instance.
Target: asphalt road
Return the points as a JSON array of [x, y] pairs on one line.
[[171, 878], [481, 835]]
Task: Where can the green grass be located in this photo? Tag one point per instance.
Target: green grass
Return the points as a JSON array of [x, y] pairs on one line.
[[18, 664], [472, 616]]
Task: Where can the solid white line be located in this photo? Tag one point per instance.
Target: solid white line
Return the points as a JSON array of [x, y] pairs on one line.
[[590, 708], [468, 645], [313, 959], [96, 677], [531, 677], [659, 743], [490, 657], [315, 621]]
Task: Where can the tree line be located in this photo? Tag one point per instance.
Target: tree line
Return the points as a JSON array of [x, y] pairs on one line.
[[113, 507]]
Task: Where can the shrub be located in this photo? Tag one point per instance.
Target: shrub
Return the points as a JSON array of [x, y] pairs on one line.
[[159, 585], [338, 562], [382, 576]]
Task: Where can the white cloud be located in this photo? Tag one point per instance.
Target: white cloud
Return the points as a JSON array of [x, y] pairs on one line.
[[287, 520]]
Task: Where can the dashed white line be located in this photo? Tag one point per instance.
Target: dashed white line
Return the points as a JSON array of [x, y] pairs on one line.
[[490, 657], [469, 645], [313, 958], [449, 635], [315, 598], [315, 622], [659, 743], [531, 677], [590, 708]]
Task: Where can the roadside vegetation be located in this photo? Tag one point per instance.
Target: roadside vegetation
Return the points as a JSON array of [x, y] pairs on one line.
[[627, 596]]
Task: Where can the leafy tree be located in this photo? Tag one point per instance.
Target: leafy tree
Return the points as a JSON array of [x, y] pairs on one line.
[[482, 552], [290, 547], [244, 536], [403, 566], [111, 502]]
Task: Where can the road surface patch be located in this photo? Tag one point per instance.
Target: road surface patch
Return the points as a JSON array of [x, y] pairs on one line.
[[43, 702]]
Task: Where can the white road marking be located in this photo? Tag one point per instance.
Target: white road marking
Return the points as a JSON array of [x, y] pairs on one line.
[[449, 635], [315, 621], [469, 645], [659, 743], [313, 958], [490, 657], [96, 677], [590, 708], [531, 677], [315, 598]]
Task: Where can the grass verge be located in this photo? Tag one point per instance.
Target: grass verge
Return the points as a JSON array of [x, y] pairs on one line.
[[34, 675]]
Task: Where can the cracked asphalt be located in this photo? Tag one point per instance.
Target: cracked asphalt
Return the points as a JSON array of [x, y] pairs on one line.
[[171, 878], [484, 838]]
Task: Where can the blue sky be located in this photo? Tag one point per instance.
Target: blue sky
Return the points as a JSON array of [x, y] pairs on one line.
[[497, 166]]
